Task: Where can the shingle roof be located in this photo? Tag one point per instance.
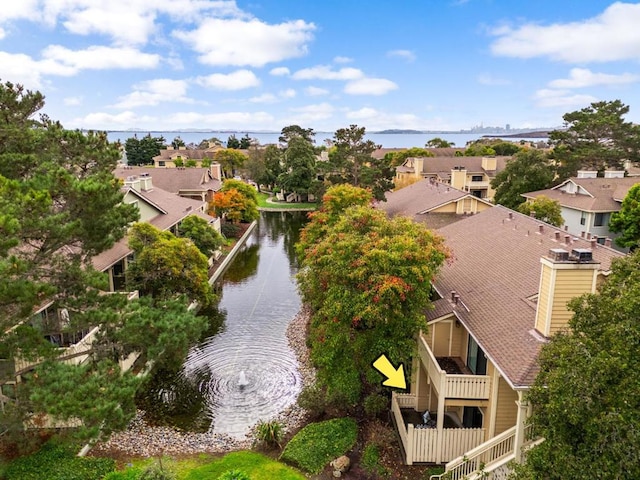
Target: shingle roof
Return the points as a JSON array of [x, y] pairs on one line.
[[604, 194], [495, 268], [176, 208], [174, 180], [444, 165]]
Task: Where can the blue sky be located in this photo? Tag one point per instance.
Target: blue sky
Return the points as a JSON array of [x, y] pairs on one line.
[[265, 64]]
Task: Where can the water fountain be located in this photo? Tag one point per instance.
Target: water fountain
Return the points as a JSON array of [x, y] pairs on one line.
[[242, 381]]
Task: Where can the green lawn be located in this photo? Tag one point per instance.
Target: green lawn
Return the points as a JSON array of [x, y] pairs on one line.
[[262, 203], [257, 466]]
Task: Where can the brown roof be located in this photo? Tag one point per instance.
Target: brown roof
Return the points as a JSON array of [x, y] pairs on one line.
[[177, 208], [418, 199], [442, 165], [598, 194], [174, 180], [495, 268]]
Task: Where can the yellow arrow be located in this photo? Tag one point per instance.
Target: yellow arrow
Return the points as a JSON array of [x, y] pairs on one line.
[[395, 378]]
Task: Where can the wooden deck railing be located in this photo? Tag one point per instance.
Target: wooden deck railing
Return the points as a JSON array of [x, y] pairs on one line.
[[427, 444], [457, 386]]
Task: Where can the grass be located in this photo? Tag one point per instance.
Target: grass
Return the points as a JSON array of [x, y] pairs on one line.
[[255, 465], [313, 447], [262, 203]]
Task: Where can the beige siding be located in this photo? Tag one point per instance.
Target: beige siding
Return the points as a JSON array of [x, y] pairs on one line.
[[457, 340], [506, 408], [544, 298], [448, 208], [569, 284], [147, 212]]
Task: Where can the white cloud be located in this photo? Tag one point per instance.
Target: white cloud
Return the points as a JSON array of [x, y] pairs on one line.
[[238, 80], [100, 58], [364, 113], [311, 113], [315, 91], [288, 93], [155, 92], [379, 120], [325, 72], [490, 80], [369, 86], [582, 77], [253, 42], [264, 98], [73, 101], [340, 59], [613, 35], [562, 98], [3, 33], [213, 121], [280, 71], [407, 55]]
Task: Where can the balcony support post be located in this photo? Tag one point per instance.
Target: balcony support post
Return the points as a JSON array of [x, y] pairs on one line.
[[440, 419], [523, 414]]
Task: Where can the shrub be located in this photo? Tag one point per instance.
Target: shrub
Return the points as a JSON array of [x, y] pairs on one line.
[[58, 462], [230, 230], [234, 475], [375, 404], [269, 433], [312, 399], [318, 443], [156, 472], [371, 460], [128, 474]]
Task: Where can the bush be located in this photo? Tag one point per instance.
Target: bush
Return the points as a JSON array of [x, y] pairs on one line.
[[230, 230], [312, 399], [318, 443], [156, 472], [58, 462], [128, 474], [269, 433], [371, 460], [375, 404], [234, 475]]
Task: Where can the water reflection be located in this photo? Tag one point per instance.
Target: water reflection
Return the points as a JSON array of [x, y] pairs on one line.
[[258, 299]]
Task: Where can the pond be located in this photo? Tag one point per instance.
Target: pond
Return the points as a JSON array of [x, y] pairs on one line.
[[243, 371]]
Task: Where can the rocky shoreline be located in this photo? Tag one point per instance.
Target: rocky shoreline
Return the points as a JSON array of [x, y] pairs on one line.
[[144, 440]]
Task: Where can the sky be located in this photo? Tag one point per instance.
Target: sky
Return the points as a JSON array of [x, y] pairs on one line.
[[260, 65]]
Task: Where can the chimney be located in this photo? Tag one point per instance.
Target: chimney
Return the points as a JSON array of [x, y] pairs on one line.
[[587, 174], [459, 178], [132, 182], [607, 242], [614, 174], [216, 171], [562, 278], [145, 182], [489, 163]]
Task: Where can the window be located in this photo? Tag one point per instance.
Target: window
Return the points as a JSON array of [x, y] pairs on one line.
[[472, 417], [161, 163], [583, 218], [601, 219], [476, 359], [476, 178]]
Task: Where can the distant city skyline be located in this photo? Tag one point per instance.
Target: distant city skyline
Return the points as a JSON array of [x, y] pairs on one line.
[[260, 65]]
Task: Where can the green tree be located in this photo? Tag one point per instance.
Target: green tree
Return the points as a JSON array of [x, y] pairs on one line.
[[233, 142], [141, 152], [366, 279], [230, 161], [627, 220], [398, 158], [479, 149], [177, 143], [296, 131], [438, 142], [595, 138], [528, 171], [299, 167], [544, 209], [586, 397], [203, 235], [245, 142], [166, 266], [350, 161]]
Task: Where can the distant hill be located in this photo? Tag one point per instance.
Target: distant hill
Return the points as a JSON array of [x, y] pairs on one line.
[[537, 134], [396, 131]]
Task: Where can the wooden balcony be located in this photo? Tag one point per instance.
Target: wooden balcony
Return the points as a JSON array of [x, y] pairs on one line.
[[448, 385], [429, 445]]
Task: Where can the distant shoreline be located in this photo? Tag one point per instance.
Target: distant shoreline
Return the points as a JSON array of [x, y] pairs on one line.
[[538, 134]]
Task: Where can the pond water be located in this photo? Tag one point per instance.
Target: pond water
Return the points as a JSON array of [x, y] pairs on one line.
[[244, 370]]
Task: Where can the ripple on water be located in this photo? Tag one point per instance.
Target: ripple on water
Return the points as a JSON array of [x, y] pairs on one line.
[[273, 381]]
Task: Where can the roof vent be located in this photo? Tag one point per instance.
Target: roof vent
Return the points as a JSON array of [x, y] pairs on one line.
[[558, 255], [143, 175], [582, 254]]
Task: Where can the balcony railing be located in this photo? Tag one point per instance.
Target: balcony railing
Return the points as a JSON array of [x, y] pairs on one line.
[[429, 444], [448, 385]]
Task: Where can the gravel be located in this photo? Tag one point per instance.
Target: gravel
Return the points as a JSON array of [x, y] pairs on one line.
[[142, 439]]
